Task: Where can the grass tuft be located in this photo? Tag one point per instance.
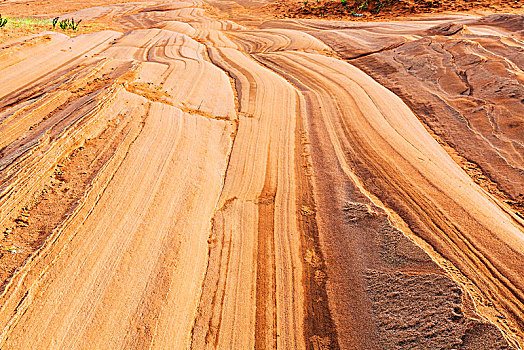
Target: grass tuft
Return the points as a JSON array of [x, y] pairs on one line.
[[27, 22], [67, 23]]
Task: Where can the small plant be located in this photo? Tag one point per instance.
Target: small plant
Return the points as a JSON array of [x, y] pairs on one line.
[[306, 3], [3, 21], [55, 21], [344, 2], [69, 24]]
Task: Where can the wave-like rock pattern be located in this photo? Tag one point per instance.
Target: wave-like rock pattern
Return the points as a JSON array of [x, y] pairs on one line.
[[223, 187]]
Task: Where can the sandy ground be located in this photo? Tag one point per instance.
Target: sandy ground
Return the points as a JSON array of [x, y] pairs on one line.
[[196, 175]]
